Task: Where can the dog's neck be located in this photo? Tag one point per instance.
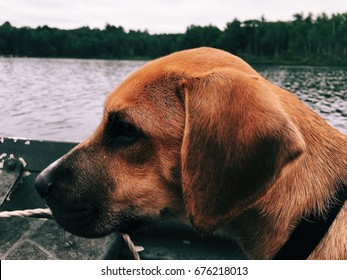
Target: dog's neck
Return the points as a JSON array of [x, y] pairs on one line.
[[311, 230], [306, 187]]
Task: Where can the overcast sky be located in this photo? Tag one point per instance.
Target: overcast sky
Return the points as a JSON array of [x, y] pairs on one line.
[[157, 16]]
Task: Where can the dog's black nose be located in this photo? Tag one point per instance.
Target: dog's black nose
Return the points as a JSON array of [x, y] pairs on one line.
[[43, 184], [44, 181]]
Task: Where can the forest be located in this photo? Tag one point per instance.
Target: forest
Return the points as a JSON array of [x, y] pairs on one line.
[[304, 40]]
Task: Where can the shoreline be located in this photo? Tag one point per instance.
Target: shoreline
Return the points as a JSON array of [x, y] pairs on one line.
[[251, 61]]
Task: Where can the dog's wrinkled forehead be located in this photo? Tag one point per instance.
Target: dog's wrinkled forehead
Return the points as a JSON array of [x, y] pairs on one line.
[[125, 95], [147, 102]]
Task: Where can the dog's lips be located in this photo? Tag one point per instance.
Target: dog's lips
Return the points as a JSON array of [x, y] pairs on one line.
[[74, 217], [79, 221], [129, 225], [91, 222]]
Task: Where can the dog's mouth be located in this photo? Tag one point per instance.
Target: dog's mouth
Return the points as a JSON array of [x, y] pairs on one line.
[[94, 222], [79, 221]]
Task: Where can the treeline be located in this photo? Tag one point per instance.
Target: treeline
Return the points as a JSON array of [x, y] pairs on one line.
[[307, 39]]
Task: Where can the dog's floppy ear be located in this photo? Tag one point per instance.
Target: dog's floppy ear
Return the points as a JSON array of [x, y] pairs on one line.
[[236, 141]]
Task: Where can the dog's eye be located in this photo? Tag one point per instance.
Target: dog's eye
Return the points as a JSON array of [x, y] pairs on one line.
[[127, 130], [122, 133]]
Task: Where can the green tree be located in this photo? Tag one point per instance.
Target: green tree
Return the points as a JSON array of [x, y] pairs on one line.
[[305, 39], [233, 38], [197, 36]]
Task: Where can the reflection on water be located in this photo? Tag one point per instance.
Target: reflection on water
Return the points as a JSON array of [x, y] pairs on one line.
[[56, 99], [62, 99], [324, 89]]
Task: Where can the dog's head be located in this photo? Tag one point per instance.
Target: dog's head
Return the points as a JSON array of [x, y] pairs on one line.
[[198, 131]]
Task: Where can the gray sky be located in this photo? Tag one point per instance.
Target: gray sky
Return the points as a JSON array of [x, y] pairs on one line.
[[157, 16]]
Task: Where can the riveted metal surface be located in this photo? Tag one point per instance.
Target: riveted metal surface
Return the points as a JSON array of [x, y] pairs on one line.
[[9, 173], [33, 156], [22, 238]]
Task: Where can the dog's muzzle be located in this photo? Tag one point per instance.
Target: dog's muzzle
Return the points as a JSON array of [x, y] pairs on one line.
[[44, 182]]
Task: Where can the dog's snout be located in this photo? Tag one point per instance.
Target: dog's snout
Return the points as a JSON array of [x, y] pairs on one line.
[[43, 184], [44, 181]]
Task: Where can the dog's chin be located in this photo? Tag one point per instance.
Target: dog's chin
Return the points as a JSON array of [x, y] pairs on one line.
[[88, 232], [84, 225]]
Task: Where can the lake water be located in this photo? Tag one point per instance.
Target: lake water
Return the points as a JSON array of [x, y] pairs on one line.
[[62, 99]]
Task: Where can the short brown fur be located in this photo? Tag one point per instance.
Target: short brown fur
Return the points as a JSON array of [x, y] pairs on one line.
[[219, 144]]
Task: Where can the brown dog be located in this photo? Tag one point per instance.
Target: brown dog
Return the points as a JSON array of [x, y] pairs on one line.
[[200, 134]]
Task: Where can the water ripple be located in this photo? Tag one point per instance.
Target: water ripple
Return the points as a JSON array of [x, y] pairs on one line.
[[324, 89], [56, 99], [62, 99]]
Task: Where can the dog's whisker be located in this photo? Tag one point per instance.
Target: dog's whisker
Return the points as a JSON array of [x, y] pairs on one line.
[[214, 141]]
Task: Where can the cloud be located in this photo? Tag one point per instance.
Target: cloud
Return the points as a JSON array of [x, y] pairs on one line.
[[158, 16]]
